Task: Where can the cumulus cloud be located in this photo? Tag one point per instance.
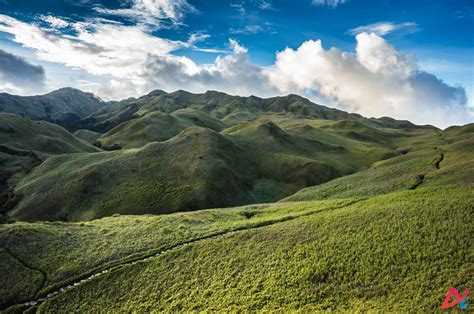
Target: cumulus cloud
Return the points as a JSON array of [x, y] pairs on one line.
[[19, 76], [98, 48], [376, 80], [330, 3], [114, 89], [384, 28], [232, 73]]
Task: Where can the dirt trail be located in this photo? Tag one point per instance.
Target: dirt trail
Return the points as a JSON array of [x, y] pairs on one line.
[[43, 274], [78, 282], [439, 160]]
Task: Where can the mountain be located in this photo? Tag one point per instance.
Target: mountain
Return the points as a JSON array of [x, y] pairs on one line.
[[230, 110], [64, 106], [314, 209]]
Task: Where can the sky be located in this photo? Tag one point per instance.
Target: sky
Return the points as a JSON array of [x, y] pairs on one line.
[[410, 60]]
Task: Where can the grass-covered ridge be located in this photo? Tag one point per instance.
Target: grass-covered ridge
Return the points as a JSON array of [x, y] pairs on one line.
[[440, 161]]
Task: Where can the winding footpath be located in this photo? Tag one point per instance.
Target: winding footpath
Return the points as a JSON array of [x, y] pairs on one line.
[[91, 277], [120, 266]]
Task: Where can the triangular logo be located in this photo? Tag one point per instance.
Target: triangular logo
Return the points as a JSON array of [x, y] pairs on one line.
[[453, 292]]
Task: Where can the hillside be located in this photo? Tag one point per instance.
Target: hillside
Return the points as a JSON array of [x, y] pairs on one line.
[[65, 106], [199, 167], [348, 254], [444, 161], [25, 144], [230, 110], [40, 136], [182, 151]]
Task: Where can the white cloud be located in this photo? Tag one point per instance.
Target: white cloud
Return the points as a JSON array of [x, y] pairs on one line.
[[152, 11], [248, 29], [376, 80], [99, 48], [115, 89], [266, 5], [233, 74], [384, 28], [236, 47], [239, 7], [197, 37], [378, 56], [55, 22], [330, 3]]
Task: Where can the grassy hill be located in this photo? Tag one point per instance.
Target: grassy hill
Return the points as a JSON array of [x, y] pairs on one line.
[[87, 135], [230, 110], [439, 161], [25, 144], [65, 106], [183, 151], [40, 136], [199, 167]]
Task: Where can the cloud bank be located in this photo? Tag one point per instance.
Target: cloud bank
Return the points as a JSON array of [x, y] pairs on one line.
[[376, 80], [19, 76]]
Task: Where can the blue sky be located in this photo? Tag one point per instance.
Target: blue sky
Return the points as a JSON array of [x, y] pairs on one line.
[[408, 59]]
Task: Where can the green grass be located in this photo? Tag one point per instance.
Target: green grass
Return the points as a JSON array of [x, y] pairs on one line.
[[40, 136], [395, 252], [264, 160], [405, 171], [87, 135], [65, 251]]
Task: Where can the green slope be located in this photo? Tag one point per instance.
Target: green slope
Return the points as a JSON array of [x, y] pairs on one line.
[[445, 159], [193, 170], [24, 144], [65, 106], [87, 135], [40, 136], [156, 127], [392, 252], [200, 168], [231, 110], [383, 222]]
